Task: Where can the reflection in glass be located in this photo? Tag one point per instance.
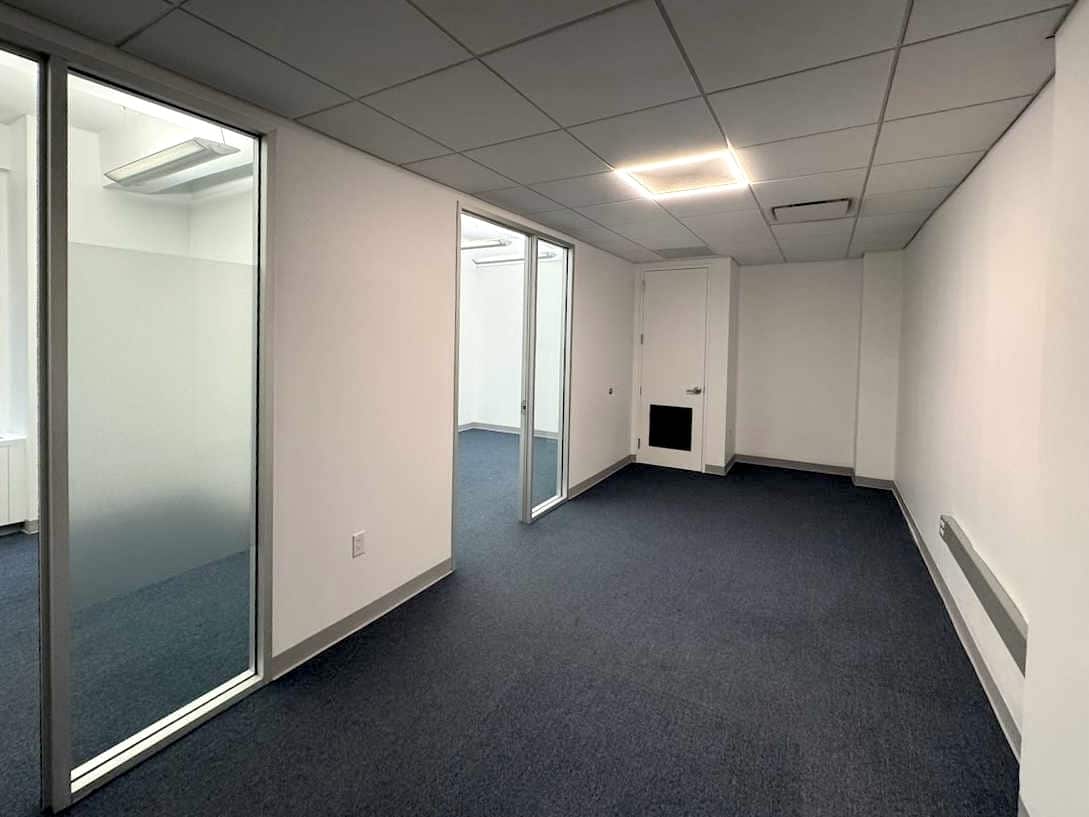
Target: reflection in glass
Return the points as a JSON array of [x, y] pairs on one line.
[[548, 407], [20, 697], [161, 334]]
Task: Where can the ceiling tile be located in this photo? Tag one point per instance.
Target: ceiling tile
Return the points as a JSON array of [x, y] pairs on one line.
[[519, 200], [459, 173], [837, 96], [202, 52], [732, 42], [627, 250], [942, 171], [466, 106], [616, 62], [357, 46], [905, 201], [727, 201], [486, 24], [891, 232], [569, 221], [995, 62], [618, 214], [540, 158], [815, 240], [743, 235], [824, 152], [373, 132], [648, 136], [931, 18], [942, 134], [586, 190], [660, 233], [109, 22], [845, 184]]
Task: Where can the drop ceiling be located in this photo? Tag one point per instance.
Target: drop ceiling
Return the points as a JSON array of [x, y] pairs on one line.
[[531, 105]]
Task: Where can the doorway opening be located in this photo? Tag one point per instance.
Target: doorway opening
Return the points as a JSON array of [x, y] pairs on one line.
[[512, 395]]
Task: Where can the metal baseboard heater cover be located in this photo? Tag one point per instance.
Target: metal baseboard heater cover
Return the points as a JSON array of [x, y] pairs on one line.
[[1007, 618]]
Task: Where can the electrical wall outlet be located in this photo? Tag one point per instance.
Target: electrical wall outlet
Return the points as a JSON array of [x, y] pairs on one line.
[[358, 548]]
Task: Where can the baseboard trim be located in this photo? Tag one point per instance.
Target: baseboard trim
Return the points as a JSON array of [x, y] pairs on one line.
[[600, 476], [1022, 809], [1001, 711], [319, 642], [31, 526], [547, 435], [13, 528], [717, 470], [795, 465], [870, 482]]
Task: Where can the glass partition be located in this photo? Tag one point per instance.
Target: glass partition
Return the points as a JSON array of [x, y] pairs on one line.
[[550, 325], [162, 289]]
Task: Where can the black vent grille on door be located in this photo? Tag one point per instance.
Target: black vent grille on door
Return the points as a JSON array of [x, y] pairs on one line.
[[670, 427]]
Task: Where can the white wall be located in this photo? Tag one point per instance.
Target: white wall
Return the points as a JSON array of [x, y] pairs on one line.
[[363, 356], [1055, 748], [970, 377], [879, 366], [798, 361]]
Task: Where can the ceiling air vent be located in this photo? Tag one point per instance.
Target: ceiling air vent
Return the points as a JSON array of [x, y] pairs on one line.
[[684, 252], [811, 210]]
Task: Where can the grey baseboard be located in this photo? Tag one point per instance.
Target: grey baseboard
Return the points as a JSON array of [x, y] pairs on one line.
[[600, 476], [546, 435], [305, 650], [717, 470], [795, 465], [31, 526], [870, 482], [1001, 711], [8, 530]]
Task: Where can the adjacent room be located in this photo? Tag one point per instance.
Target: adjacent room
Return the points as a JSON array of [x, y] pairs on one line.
[[607, 407]]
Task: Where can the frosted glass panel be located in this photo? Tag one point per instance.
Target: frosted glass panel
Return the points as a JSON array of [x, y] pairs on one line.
[[548, 405], [161, 345]]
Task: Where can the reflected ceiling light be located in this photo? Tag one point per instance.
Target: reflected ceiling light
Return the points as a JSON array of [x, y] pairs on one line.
[[181, 156], [485, 243], [714, 172]]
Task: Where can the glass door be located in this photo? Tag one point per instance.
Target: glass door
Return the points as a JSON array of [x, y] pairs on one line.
[[549, 361], [159, 387]]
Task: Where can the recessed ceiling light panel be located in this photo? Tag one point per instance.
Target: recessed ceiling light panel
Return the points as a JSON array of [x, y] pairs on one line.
[[687, 175]]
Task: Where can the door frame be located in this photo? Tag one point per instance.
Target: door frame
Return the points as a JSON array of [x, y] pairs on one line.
[[527, 512], [58, 51], [641, 410]]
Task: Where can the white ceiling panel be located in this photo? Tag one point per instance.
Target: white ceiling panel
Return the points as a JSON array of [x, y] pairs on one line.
[[942, 171], [519, 200], [616, 62], [727, 201], [621, 213], [905, 201], [845, 184], [373, 132], [460, 173], [891, 232], [836, 96], [466, 106], [487, 24], [202, 52], [822, 153], [570, 222], [814, 240], [742, 234], [995, 62], [109, 22], [664, 233], [733, 42], [932, 18], [599, 188], [542, 158], [653, 135], [357, 46], [942, 134], [626, 249]]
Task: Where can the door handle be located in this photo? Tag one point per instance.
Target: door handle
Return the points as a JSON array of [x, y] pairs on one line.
[[694, 390]]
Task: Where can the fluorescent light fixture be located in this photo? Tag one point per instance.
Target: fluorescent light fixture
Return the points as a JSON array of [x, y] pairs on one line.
[[181, 156], [714, 172], [485, 243]]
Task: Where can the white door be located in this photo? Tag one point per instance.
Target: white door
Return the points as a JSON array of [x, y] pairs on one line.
[[673, 343]]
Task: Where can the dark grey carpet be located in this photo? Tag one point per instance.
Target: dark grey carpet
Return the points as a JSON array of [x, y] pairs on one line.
[[135, 658], [669, 643]]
